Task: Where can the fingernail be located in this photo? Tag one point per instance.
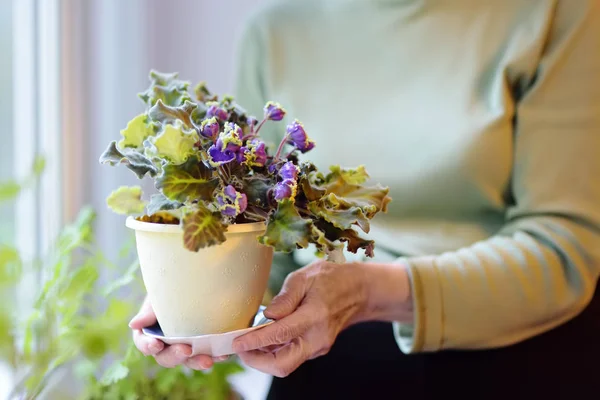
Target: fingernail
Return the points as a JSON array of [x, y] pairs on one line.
[[205, 365], [184, 352]]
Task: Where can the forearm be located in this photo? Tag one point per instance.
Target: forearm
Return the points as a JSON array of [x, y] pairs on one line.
[[388, 294]]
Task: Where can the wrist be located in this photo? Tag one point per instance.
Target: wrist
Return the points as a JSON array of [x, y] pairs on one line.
[[387, 292]]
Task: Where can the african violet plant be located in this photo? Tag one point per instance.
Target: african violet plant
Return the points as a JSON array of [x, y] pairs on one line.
[[212, 169]]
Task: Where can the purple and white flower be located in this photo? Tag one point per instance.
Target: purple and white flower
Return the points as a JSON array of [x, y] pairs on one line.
[[297, 136], [231, 202], [210, 128], [215, 110], [254, 153], [227, 146], [285, 190], [289, 172], [274, 111]]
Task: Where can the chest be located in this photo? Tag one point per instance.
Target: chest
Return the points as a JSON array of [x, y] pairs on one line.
[[426, 104]]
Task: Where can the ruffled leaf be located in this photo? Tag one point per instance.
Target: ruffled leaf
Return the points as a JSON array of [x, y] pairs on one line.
[[165, 87], [174, 143], [133, 160], [350, 236], [189, 181], [137, 130], [158, 202], [286, 229], [163, 113], [203, 228], [126, 200], [341, 213]]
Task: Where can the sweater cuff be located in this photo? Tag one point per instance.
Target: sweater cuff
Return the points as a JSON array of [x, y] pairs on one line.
[[426, 332]]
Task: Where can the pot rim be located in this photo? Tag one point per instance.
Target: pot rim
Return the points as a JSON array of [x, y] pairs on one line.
[[136, 225]]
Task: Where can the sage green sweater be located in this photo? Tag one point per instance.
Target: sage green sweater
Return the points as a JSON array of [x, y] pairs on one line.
[[483, 117]]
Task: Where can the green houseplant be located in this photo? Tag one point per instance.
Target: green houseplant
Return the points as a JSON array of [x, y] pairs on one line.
[[67, 328], [223, 200]]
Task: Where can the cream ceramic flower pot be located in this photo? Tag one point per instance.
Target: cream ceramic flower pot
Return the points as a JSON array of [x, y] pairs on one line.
[[218, 289]]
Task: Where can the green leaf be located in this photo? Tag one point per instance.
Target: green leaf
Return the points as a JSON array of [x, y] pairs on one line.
[[341, 213], [158, 202], [114, 373], [350, 236], [165, 87], [203, 228], [164, 113], [80, 282], [257, 189], [286, 229], [9, 190], [371, 200], [10, 265], [133, 160], [137, 130], [339, 178], [190, 181], [126, 200], [174, 143], [128, 277]]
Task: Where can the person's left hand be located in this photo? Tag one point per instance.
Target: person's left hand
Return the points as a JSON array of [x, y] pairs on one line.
[[314, 305]]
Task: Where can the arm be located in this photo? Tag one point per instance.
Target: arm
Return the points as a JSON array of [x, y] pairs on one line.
[[541, 269]]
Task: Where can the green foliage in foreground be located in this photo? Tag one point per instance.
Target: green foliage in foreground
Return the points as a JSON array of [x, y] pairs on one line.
[[56, 315]]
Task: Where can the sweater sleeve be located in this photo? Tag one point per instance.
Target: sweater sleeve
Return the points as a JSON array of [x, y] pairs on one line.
[[541, 269]]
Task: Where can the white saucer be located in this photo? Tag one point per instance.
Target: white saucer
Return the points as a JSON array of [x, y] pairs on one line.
[[214, 345]]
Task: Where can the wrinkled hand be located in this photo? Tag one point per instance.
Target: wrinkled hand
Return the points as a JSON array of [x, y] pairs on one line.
[[165, 355], [314, 305]]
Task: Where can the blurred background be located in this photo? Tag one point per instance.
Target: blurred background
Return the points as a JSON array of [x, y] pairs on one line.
[[70, 71]]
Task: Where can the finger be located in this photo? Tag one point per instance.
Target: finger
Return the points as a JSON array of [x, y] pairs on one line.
[[281, 363], [174, 355], [146, 344], [200, 362], [290, 296], [145, 317], [279, 332]]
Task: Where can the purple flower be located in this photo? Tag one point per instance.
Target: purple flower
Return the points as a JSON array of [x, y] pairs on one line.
[[214, 110], [253, 154], [289, 171], [285, 190], [226, 148], [231, 202], [220, 157], [298, 137], [209, 127], [274, 111]]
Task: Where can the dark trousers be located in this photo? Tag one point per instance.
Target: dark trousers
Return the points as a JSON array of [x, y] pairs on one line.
[[366, 363]]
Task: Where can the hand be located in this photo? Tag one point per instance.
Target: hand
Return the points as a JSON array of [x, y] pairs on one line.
[[314, 305], [165, 355]]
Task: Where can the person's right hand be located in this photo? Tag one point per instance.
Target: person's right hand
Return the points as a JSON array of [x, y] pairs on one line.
[[168, 356]]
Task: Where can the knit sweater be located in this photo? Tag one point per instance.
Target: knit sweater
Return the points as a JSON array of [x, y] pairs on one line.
[[483, 118]]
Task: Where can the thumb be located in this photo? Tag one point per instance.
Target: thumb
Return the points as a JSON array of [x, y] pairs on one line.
[[290, 296], [145, 317]]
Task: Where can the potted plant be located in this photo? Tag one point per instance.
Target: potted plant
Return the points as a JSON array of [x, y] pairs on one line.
[[225, 202]]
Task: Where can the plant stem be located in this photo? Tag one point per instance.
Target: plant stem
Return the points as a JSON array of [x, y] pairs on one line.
[[260, 126], [285, 138]]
